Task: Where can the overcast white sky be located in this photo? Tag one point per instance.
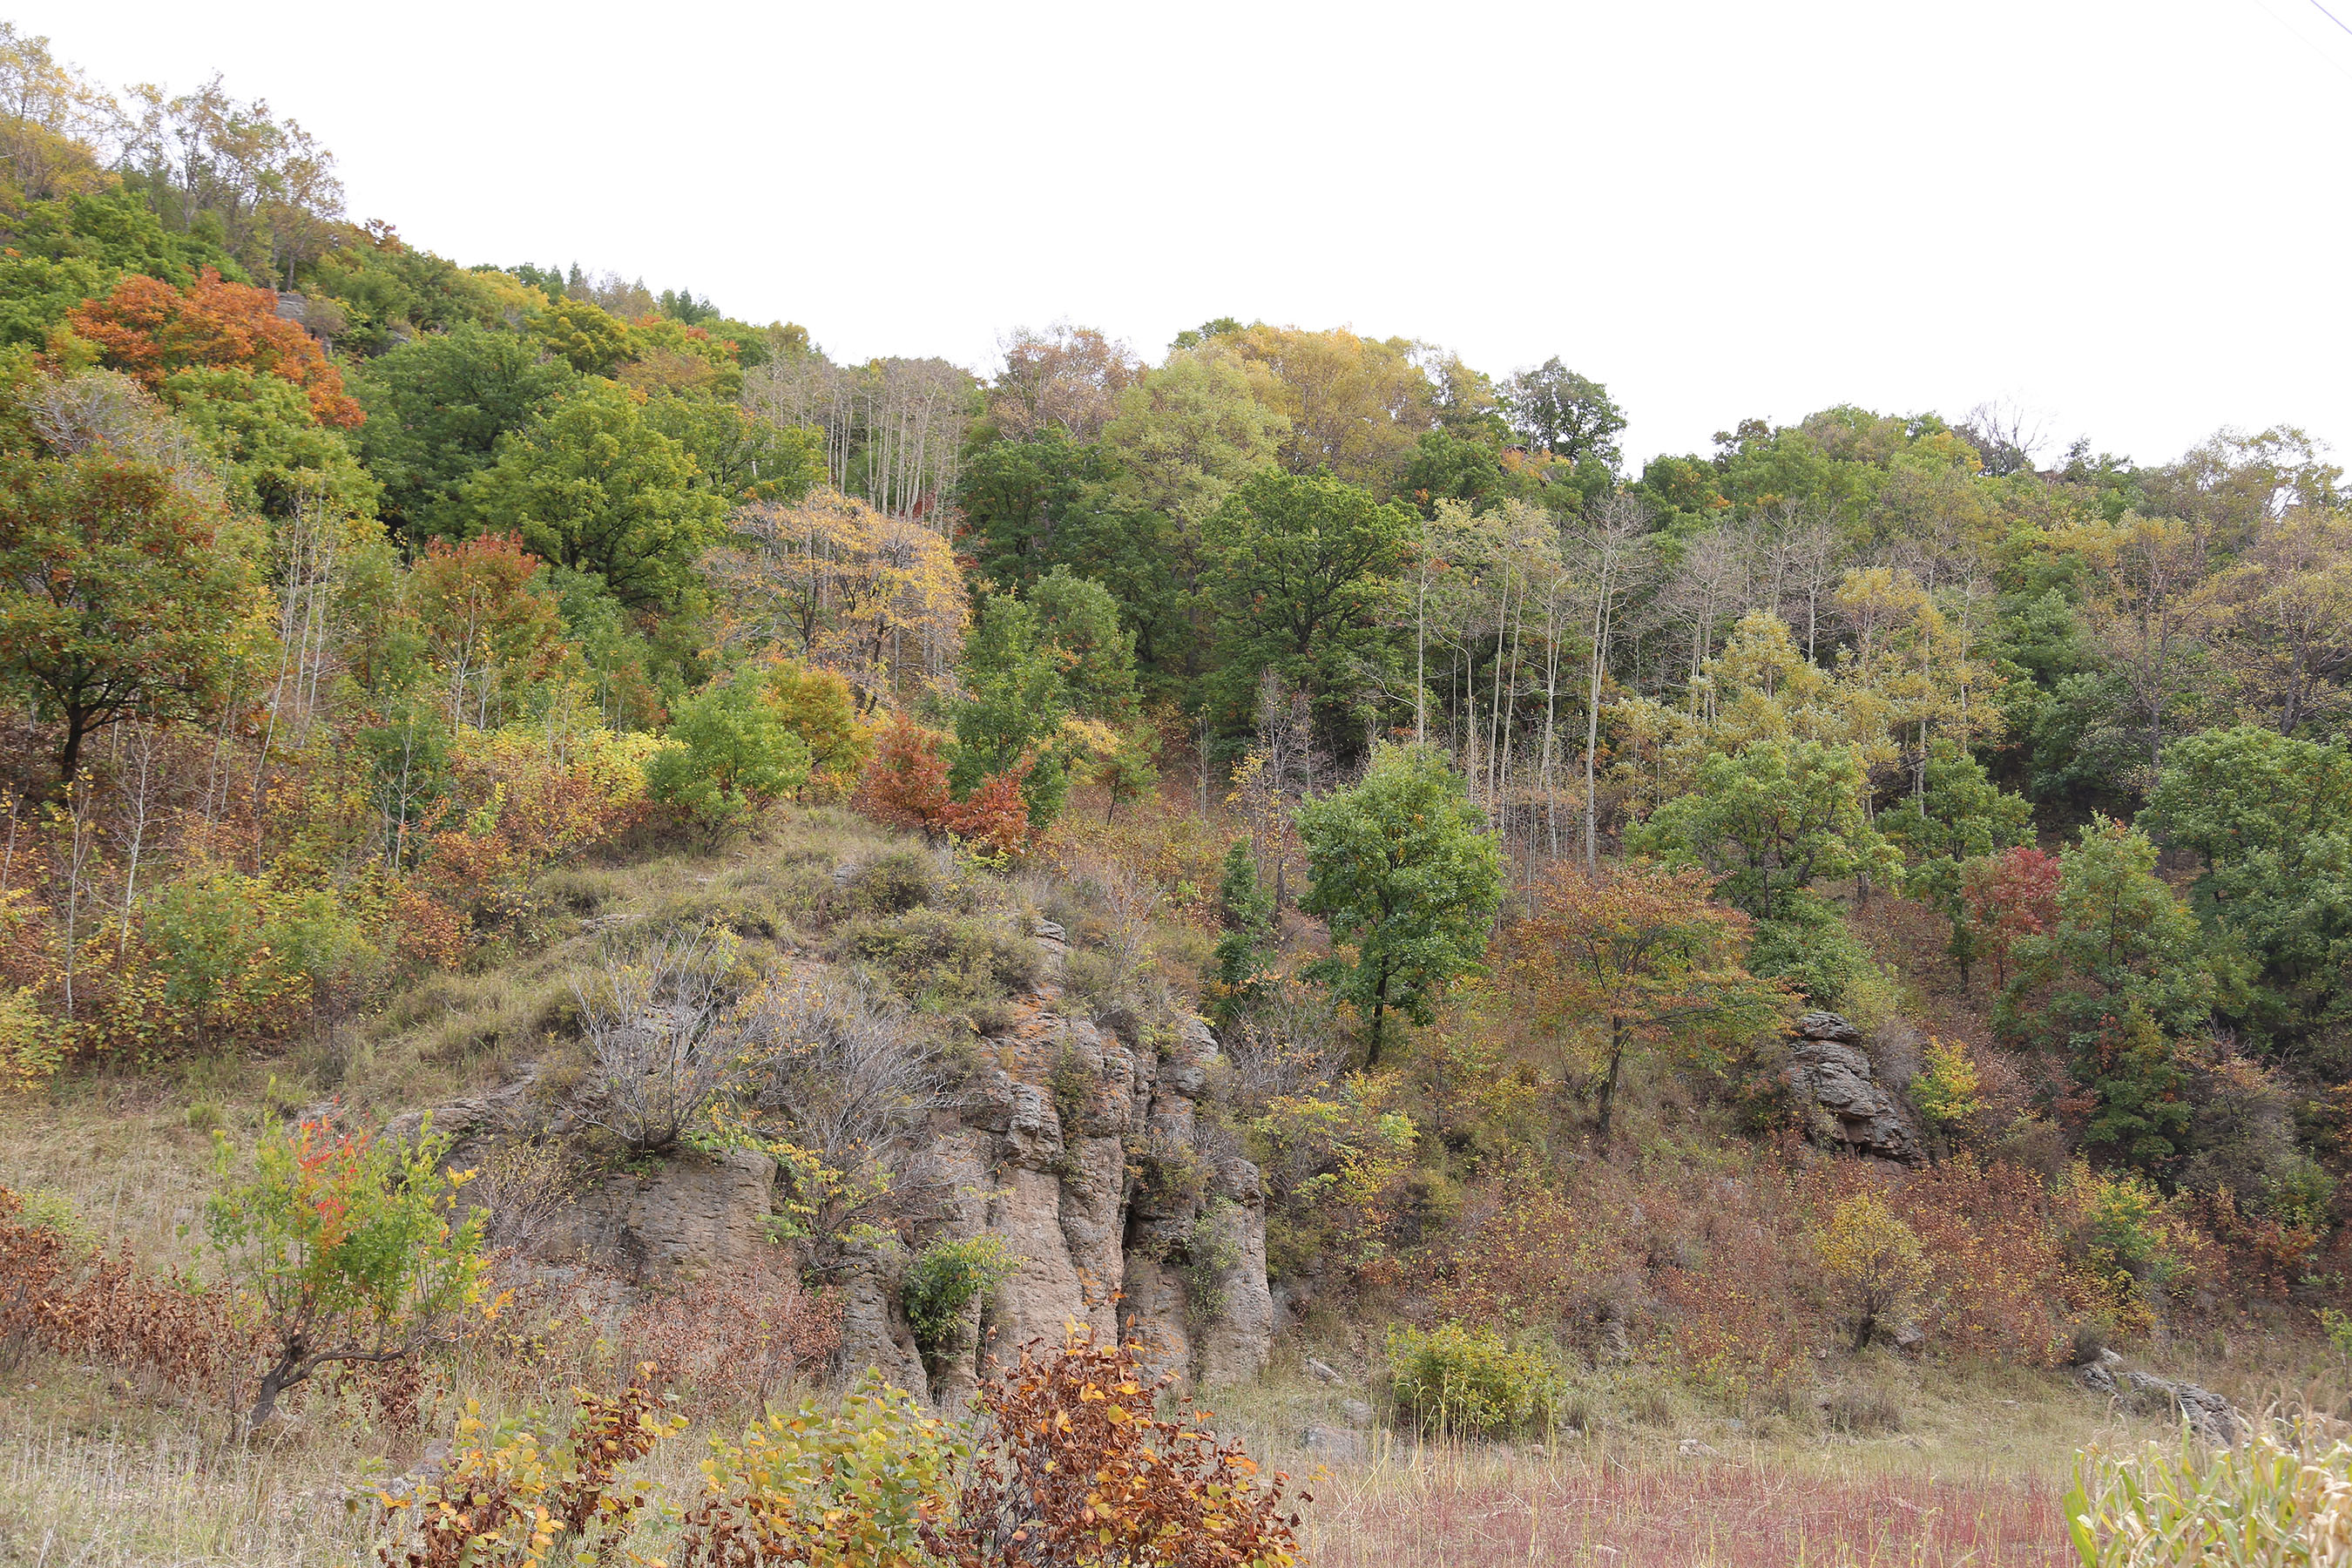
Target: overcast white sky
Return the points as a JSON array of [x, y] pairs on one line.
[[2129, 215]]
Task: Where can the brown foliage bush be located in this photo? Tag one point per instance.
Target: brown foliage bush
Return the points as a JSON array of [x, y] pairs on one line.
[[728, 1342], [1081, 1469], [72, 1298]]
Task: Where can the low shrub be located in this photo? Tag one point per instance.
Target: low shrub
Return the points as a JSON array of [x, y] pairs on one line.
[[507, 1501], [734, 1338], [59, 1292], [949, 958], [894, 883], [870, 1485], [1470, 1383]]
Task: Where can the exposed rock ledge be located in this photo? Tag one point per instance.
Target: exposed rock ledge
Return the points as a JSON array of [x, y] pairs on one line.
[[1838, 1095], [1108, 1209]]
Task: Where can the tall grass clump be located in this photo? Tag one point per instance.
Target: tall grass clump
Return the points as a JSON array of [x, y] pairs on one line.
[[2281, 1497]]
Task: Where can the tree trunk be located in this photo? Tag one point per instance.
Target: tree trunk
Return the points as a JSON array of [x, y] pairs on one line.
[[70, 758], [289, 1372], [1380, 1017], [1608, 1083]]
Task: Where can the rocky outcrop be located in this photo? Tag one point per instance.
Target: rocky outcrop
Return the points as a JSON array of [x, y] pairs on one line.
[[1082, 1151], [1838, 1096], [673, 1220], [2210, 1417]]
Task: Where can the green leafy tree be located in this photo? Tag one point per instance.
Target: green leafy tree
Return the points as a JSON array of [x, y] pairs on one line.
[[945, 1280], [1642, 957], [731, 751], [1570, 415], [1015, 702], [1024, 500], [1129, 770], [1768, 821], [1246, 906], [741, 456], [592, 486], [436, 407], [346, 1243], [1080, 619], [1304, 569], [1401, 867], [120, 594], [2119, 976], [1960, 814], [2271, 818], [273, 454]]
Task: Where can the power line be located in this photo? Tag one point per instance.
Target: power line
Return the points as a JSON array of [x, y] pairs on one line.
[[2330, 60], [2330, 15]]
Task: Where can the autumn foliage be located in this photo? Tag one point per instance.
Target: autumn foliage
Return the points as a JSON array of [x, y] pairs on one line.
[[73, 1299], [905, 785], [1085, 1469], [148, 329], [2005, 899]]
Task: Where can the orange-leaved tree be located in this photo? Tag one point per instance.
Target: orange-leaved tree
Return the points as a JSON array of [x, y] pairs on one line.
[[905, 785], [1641, 955], [490, 619], [148, 329]]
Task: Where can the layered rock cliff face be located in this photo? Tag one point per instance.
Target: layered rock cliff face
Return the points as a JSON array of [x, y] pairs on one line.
[[1083, 1152], [1839, 1097]]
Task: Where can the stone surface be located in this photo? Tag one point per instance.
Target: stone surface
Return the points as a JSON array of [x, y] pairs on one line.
[[1043, 1150], [1333, 1443], [1839, 1097], [673, 1220], [874, 1331], [1355, 1413], [2211, 1417]]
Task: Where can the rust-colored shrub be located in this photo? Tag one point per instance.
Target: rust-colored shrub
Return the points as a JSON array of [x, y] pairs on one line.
[[74, 1299], [905, 785], [728, 1342], [1083, 1470], [995, 817]]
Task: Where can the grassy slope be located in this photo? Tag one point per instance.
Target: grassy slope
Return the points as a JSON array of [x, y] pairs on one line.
[[94, 1471]]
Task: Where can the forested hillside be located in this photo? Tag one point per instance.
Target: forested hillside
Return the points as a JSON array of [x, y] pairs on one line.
[[1502, 804]]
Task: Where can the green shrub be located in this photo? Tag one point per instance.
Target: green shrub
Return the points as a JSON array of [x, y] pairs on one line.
[[1211, 1247], [946, 1277], [894, 883], [729, 754], [1807, 944], [1469, 1383], [946, 961]]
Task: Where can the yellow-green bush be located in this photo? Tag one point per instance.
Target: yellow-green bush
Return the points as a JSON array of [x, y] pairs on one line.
[[1469, 1381]]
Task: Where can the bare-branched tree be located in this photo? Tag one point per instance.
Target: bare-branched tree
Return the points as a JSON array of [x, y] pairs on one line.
[[665, 1039]]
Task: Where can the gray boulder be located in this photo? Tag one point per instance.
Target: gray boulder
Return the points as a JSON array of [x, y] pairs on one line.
[[1839, 1097]]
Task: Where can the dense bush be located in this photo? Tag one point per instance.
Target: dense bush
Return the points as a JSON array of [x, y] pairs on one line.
[[945, 1278], [1470, 1383], [952, 957]]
